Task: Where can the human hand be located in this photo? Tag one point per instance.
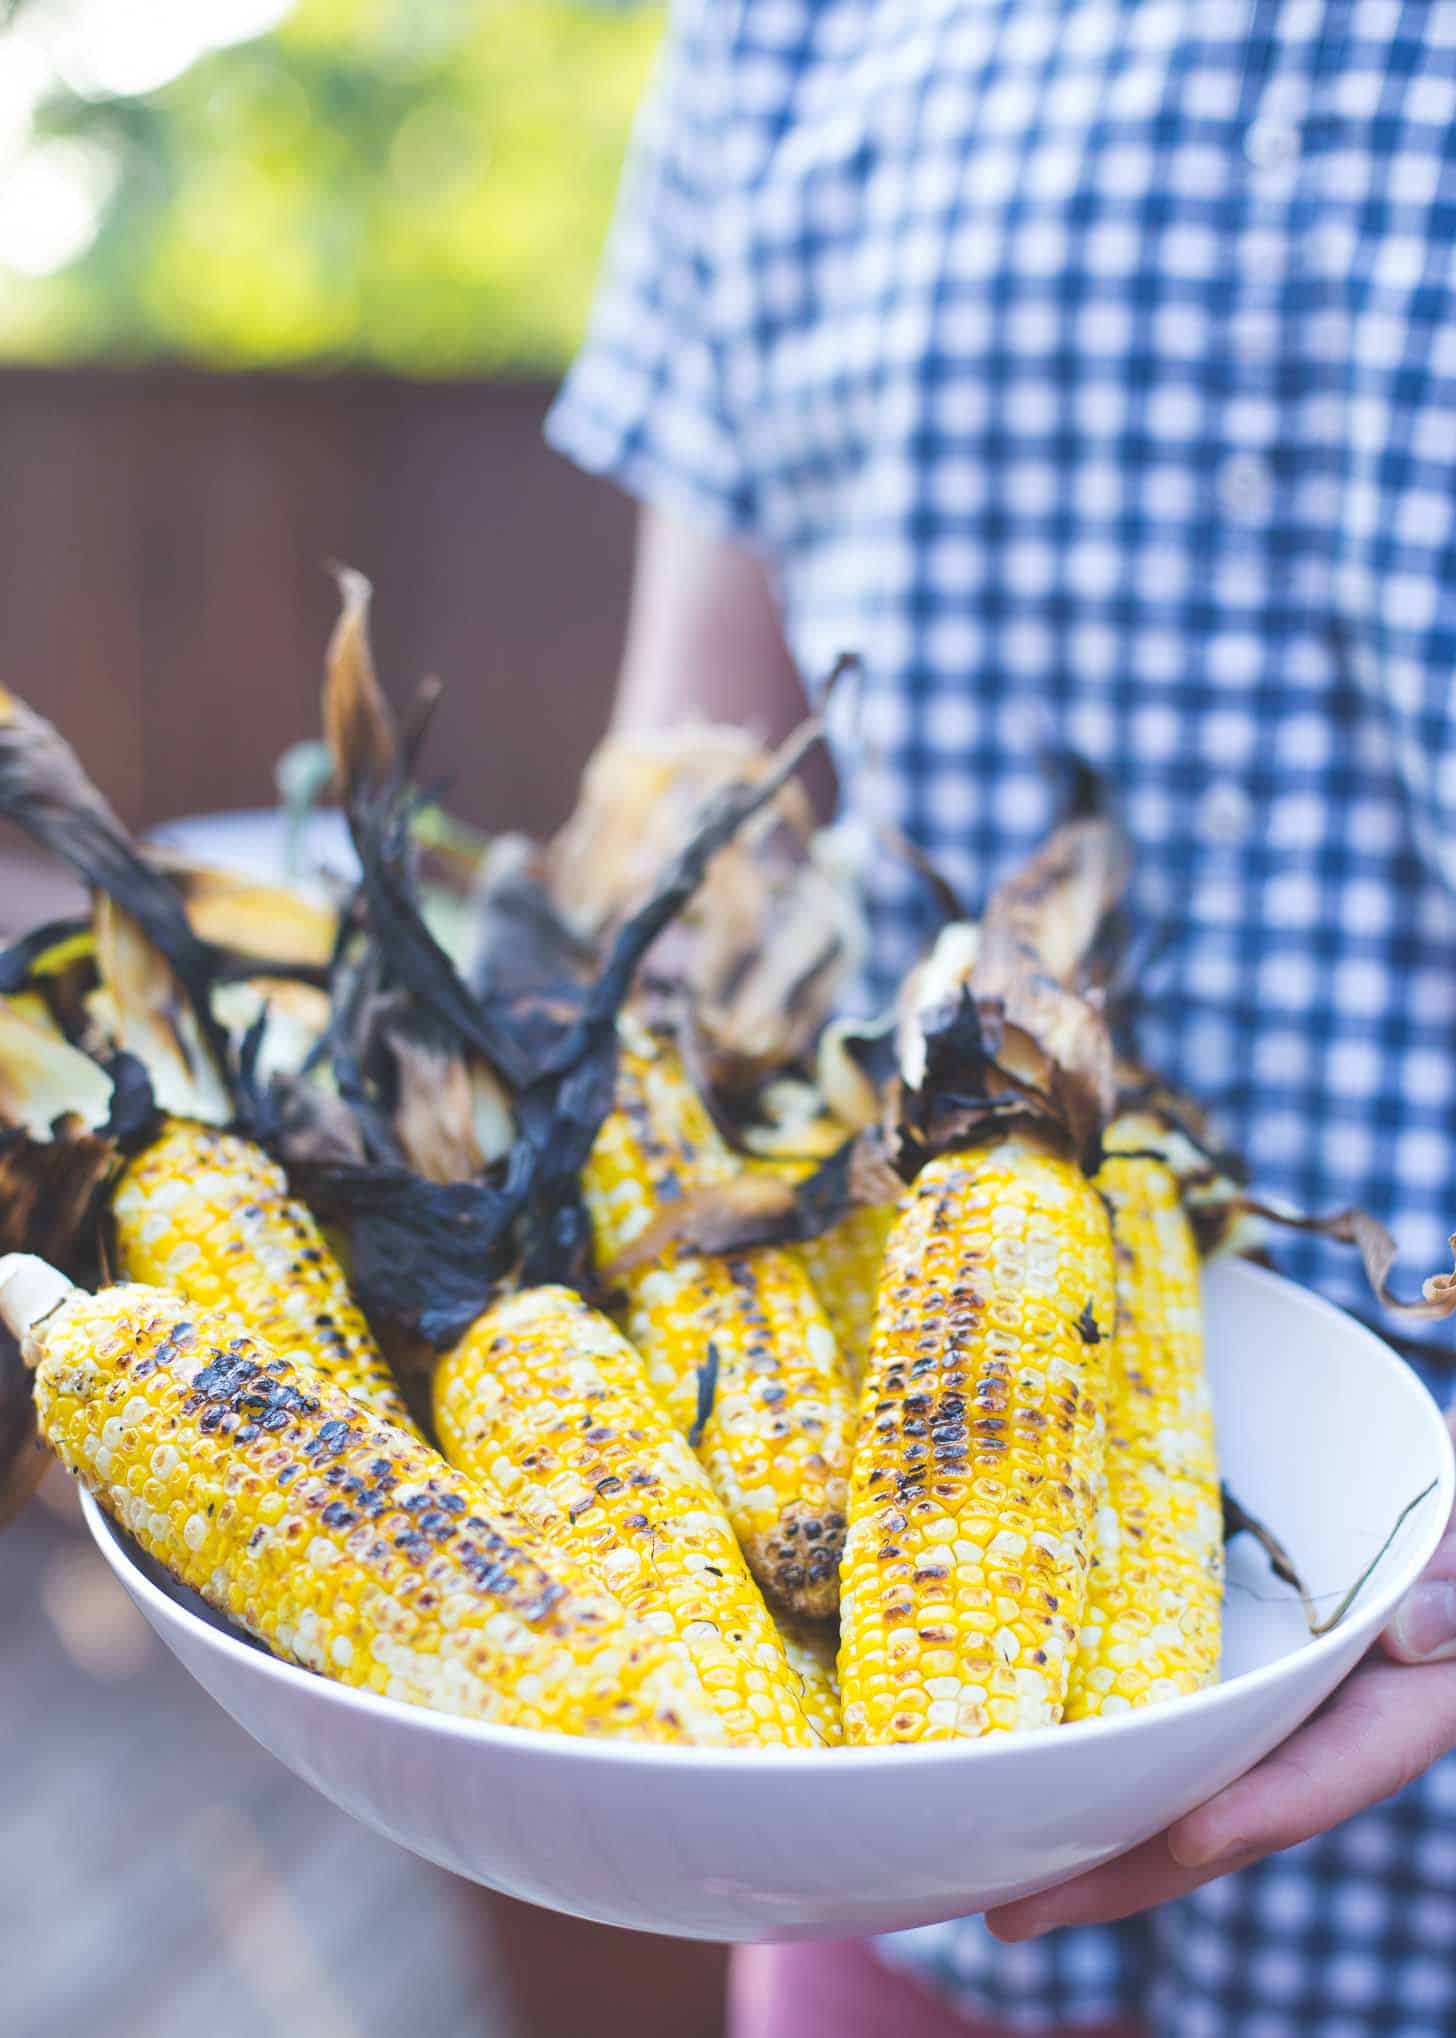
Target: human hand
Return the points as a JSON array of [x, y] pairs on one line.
[[1383, 1727]]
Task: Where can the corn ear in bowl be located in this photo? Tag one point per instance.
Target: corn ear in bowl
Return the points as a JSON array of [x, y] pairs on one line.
[[719, 1843]]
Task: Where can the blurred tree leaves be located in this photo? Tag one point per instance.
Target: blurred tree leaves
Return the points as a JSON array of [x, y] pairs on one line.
[[421, 186]]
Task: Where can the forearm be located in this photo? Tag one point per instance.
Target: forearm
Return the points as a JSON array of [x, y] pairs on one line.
[[704, 642]]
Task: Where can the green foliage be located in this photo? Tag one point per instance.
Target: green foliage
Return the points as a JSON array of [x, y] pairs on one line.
[[421, 186]]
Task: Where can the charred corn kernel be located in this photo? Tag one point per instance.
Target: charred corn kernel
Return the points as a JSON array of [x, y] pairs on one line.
[[777, 1437], [1152, 1625], [342, 1542], [209, 1215], [843, 1265], [977, 1469], [811, 1647], [548, 1405]]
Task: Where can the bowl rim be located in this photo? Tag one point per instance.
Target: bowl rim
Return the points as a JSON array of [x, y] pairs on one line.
[[1362, 1622]]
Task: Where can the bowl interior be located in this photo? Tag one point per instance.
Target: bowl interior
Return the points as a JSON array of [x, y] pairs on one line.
[[1327, 1435]]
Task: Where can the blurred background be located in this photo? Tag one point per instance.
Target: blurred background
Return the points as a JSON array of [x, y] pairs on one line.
[[282, 284]]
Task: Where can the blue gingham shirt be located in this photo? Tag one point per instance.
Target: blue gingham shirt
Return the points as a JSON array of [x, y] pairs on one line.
[[1090, 366]]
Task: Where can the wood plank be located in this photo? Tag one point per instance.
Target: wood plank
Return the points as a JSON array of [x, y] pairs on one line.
[[186, 1882], [163, 593]]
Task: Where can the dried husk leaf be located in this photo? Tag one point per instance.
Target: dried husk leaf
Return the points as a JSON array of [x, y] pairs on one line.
[[432, 1120], [1237, 1520], [425, 1257], [427, 1252], [522, 949], [491, 1117], [377, 803], [1046, 918], [764, 984], [758, 1207], [303, 1121], [428, 1256], [358, 725], [50, 1191], [149, 1014], [988, 1032], [45, 791], [854, 1067], [268, 923], [639, 801], [1037, 926], [453, 1115], [951, 906], [292, 1019], [1377, 1250], [44, 1081], [1439, 1290], [763, 948], [937, 984]]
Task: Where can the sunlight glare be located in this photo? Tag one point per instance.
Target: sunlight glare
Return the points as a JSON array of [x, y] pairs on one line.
[[105, 50], [53, 198]]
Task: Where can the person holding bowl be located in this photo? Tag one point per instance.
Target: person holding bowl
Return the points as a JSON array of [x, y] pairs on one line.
[[1089, 366]]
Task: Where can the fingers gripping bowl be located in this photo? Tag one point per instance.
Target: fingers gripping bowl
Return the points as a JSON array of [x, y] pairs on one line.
[[1322, 1429]]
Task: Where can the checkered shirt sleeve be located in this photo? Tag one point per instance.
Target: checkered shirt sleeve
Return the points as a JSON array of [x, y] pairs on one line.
[[644, 402]]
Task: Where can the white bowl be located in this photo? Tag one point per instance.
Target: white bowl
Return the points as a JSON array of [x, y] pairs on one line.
[[1324, 1432]]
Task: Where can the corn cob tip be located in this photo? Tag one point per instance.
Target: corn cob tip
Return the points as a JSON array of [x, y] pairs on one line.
[[30, 1289], [797, 1559]]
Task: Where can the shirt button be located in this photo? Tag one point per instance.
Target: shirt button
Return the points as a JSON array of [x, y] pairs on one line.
[[1246, 486], [1225, 812], [1269, 144]]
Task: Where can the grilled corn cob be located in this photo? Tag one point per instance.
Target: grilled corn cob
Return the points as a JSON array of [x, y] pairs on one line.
[[209, 1215], [811, 1647], [776, 1440], [977, 1469], [342, 1542], [1163, 1409], [843, 1265], [1152, 1625], [844, 1262], [548, 1405]]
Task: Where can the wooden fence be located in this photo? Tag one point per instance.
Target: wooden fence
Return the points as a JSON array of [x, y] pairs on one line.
[[163, 594]]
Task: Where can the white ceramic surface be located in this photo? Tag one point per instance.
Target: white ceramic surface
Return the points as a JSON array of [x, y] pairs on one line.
[[254, 842], [1324, 1432]]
